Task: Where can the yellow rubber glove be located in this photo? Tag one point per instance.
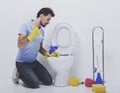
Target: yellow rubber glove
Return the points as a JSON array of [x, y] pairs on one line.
[[35, 32], [55, 54], [47, 55]]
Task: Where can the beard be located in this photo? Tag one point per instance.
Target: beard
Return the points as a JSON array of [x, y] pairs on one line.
[[43, 25]]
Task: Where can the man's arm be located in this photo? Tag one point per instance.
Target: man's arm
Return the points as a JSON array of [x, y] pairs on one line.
[[22, 41], [42, 50]]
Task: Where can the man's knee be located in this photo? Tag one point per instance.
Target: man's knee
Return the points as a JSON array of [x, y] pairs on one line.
[[48, 81], [31, 83], [34, 84]]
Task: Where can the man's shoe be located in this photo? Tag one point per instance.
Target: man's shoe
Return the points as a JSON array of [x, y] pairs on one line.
[[15, 76]]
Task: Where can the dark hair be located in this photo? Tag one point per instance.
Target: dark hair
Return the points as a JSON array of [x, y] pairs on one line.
[[45, 11]]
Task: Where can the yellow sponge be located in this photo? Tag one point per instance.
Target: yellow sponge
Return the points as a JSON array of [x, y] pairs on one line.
[[93, 86], [74, 81], [99, 88]]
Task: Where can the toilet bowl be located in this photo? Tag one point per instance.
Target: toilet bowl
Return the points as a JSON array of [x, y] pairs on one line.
[[63, 37]]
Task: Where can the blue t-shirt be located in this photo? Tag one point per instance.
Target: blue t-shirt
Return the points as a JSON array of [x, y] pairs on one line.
[[30, 51]]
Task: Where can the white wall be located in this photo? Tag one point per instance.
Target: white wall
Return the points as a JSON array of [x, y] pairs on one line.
[[83, 15]]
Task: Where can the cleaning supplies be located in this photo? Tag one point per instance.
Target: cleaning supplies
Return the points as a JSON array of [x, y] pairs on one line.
[[99, 79], [53, 49], [74, 81], [98, 51], [89, 82], [98, 88]]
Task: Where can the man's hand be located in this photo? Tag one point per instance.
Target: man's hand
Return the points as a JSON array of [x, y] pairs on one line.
[[54, 54], [35, 32], [47, 55]]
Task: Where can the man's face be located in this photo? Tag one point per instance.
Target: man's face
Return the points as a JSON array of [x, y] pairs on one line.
[[45, 19]]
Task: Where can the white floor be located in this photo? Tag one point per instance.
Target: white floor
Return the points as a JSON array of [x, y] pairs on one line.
[[7, 86]]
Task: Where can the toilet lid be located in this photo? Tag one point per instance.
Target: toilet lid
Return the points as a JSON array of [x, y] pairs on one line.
[[63, 38]]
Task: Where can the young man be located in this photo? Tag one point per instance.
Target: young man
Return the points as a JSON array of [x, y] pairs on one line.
[[30, 42]]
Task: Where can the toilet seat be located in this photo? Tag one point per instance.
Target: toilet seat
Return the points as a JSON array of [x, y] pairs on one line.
[[62, 36]]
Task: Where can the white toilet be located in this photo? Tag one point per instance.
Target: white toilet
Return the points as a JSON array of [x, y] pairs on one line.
[[63, 37]]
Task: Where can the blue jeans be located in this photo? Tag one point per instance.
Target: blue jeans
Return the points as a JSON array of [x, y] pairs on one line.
[[32, 73]]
